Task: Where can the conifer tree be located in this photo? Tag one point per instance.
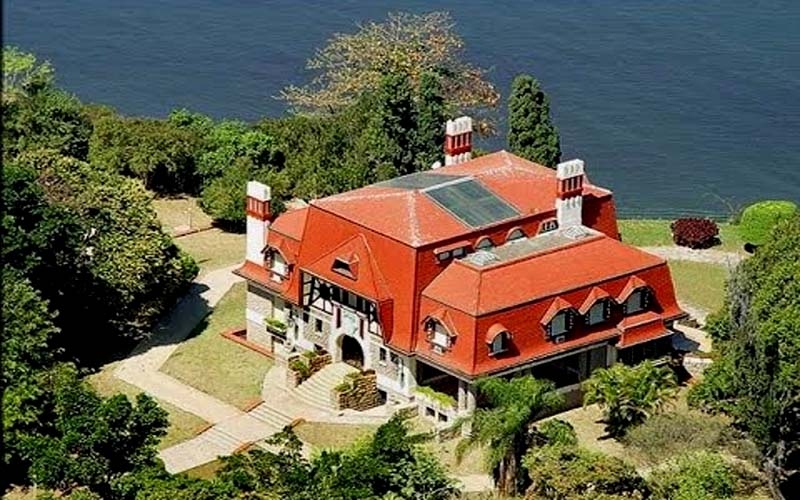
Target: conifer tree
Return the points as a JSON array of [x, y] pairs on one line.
[[430, 121], [531, 135]]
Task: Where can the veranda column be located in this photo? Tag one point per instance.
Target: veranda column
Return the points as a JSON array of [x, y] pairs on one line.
[[462, 395], [471, 397]]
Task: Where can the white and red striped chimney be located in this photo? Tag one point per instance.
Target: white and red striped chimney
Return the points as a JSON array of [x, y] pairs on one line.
[[569, 201], [258, 219], [458, 141]]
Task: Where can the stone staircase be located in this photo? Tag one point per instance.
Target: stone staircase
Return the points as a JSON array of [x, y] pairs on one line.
[[270, 416], [316, 391], [223, 441]]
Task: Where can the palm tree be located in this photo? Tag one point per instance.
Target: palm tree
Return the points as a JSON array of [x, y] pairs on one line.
[[628, 395], [505, 429]]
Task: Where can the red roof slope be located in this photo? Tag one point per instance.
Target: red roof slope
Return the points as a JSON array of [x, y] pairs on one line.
[[367, 281], [482, 290], [408, 215], [291, 224]]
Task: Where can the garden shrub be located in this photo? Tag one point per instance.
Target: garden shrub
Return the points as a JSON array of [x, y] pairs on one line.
[[695, 232], [694, 476], [667, 435], [561, 472], [629, 394], [759, 218], [557, 432]]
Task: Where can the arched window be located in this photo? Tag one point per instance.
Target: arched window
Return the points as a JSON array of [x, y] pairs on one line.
[[500, 343], [439, 336], [515, 234], [484, 244]]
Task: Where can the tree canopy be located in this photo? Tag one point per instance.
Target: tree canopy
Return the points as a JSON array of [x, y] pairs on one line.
[[352, 64], [531, 133], [756, 378]]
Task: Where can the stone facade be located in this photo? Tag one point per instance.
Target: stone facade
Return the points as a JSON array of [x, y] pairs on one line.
[[362, 395], [385, 367], [310, 331]]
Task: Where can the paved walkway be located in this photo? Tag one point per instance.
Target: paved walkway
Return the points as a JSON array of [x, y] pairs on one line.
[[231, 429], [710, 256]]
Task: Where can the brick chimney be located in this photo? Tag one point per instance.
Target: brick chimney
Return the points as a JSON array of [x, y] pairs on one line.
[[258, 219], [569, 203], [458, 141]]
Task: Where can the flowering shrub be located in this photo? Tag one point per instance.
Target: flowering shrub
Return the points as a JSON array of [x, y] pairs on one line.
[[695, 232]]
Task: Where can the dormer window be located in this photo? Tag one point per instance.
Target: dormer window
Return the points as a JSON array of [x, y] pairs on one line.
[[548, 225], [558, 325], [452, 251], [498, 339], [515, 234], [637, 301], [345, 267], [439, 336], [277, 266], [484, 244], [599, 312]]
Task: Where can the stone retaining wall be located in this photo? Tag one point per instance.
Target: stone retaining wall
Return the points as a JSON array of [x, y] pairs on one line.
[[363, 394], [315, 364]]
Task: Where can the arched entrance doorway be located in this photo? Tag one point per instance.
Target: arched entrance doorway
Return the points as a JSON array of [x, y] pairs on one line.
[[352, 354]]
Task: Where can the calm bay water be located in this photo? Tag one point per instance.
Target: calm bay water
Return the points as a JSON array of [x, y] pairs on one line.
[[673, 105]]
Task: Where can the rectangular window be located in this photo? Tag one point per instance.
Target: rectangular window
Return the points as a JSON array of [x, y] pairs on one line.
[[559, 324], [459, 252], [443, 256], [395, 358], [440, 337], [305, 317], [318, 325], [351, 300], [634, 303], [382, 355], [597, 314]]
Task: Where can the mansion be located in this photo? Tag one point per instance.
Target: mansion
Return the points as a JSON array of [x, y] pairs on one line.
[[492, 266]]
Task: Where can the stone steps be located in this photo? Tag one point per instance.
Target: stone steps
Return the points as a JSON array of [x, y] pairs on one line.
[[316, 391], [222, 440], [271, 416]]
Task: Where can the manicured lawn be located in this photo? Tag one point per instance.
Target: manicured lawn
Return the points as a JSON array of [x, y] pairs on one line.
[[180, 214], [214, 249], [205, 471], [215, 365], [699, 284], [323, 435], [182, 425], [656, 232]]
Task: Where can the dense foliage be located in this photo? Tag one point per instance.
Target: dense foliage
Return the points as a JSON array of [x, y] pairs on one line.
[[756, 379], [531, 134], [758, 220], [628, 395], [695, 232], [505, 428], [695, 476], [559, 471]]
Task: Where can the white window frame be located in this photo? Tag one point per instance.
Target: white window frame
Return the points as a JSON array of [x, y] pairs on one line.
[[515, 234], [484, 243], [278, 267]]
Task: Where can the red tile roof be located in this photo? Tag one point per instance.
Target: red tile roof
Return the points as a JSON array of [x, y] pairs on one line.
[[482, 290], [595, 294], [367, 282], [410, 216], [291, 224]]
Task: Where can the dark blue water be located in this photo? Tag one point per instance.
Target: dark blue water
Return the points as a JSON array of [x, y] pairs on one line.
[[671, 104]]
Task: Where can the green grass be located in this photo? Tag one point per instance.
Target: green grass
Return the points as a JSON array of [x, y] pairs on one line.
[[180, 214], [699, 284], [214, 249], [215, 365], [205, 471], [182, 425], [656, 232], [328, 436]]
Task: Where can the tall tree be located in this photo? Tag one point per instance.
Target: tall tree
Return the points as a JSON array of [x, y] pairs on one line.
[[756, 379], [531, 134], [390, 135], [506, 427], [353, 64], [431, 118]]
